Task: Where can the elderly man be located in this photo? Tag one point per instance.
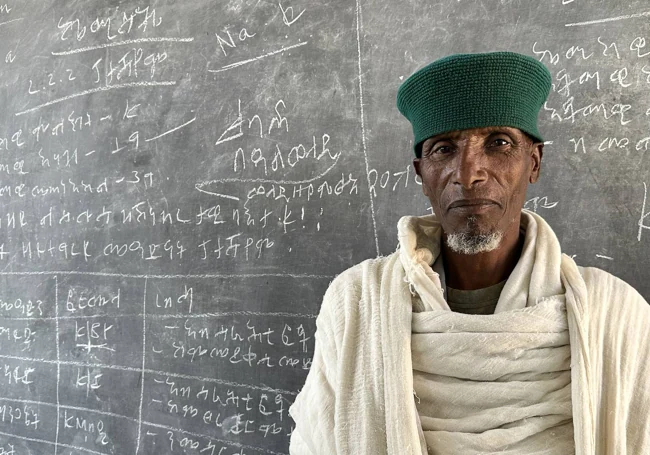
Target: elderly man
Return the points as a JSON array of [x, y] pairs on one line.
[[478, 335]]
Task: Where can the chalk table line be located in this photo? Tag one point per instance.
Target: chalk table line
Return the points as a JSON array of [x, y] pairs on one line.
[[644, 214], [122, 43], [177, 276], [144, 356], [119, 416], [268, 54], [73, 408], [95, 90], [44, 441], [58, 362], [148, 371], [167, 316], [223, 441], [363, 127], [609, 19]]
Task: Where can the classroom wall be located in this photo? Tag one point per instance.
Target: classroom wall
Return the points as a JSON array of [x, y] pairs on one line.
[[180, 181]]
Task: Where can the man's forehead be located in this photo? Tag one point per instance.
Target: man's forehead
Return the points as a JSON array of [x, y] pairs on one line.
[[483, 131]]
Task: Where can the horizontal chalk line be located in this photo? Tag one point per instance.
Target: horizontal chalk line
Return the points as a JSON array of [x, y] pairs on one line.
[[12, 20], [199, 186], [95, 90], [168, 316], [125, 42], [223, 441], [609, 19], [74, 408], [43, 441], [170, 131], [225, 196], [110, 414], [138, 276], [243, 62], [148, 371]]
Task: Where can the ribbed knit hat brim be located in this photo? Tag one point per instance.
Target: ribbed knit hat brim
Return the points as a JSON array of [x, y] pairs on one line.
[[465, 91]]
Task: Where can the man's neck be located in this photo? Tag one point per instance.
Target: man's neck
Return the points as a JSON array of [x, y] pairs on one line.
[[477, 271]]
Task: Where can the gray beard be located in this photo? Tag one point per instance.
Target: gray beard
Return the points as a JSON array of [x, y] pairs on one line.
[[471, 242]]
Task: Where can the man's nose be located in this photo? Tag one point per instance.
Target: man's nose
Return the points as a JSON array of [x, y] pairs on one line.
[[470, 166]]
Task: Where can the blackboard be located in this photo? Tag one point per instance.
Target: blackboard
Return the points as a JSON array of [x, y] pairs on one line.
[[180, 181]]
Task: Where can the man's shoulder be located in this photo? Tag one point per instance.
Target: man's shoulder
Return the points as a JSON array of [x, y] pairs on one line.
[[605, 289], [359, 274], [602, 280], [617, 318], [346, 294]]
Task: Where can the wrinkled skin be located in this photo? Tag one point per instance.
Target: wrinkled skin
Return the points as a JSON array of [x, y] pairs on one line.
[[476, 181]]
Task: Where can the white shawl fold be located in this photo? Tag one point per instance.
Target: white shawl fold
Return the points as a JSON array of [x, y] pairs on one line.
[[497, 384], [358, 396]]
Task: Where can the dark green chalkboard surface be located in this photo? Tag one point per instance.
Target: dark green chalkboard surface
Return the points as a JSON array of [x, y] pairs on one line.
[[180, 181]]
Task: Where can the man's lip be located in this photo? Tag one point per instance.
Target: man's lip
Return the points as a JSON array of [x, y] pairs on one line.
[[470, 203]]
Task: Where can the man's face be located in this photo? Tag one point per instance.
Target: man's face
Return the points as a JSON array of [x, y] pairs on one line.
[[476, 179]]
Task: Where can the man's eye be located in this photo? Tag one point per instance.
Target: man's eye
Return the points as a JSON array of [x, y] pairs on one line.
[[441, 149], [500, 142]]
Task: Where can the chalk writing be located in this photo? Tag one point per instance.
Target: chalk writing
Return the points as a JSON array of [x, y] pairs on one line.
[[179, 188], [138, 19]]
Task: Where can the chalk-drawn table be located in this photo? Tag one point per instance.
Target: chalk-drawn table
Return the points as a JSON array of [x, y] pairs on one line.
[[85, 323]]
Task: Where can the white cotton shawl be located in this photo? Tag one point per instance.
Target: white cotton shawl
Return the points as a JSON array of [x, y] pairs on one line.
[[358, 396], [498, 383]]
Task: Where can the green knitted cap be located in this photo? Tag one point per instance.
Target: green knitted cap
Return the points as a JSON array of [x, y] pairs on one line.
[[464, 91]]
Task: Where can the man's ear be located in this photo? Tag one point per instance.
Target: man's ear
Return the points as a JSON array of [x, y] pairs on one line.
[[536, 161], [416, 165]]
